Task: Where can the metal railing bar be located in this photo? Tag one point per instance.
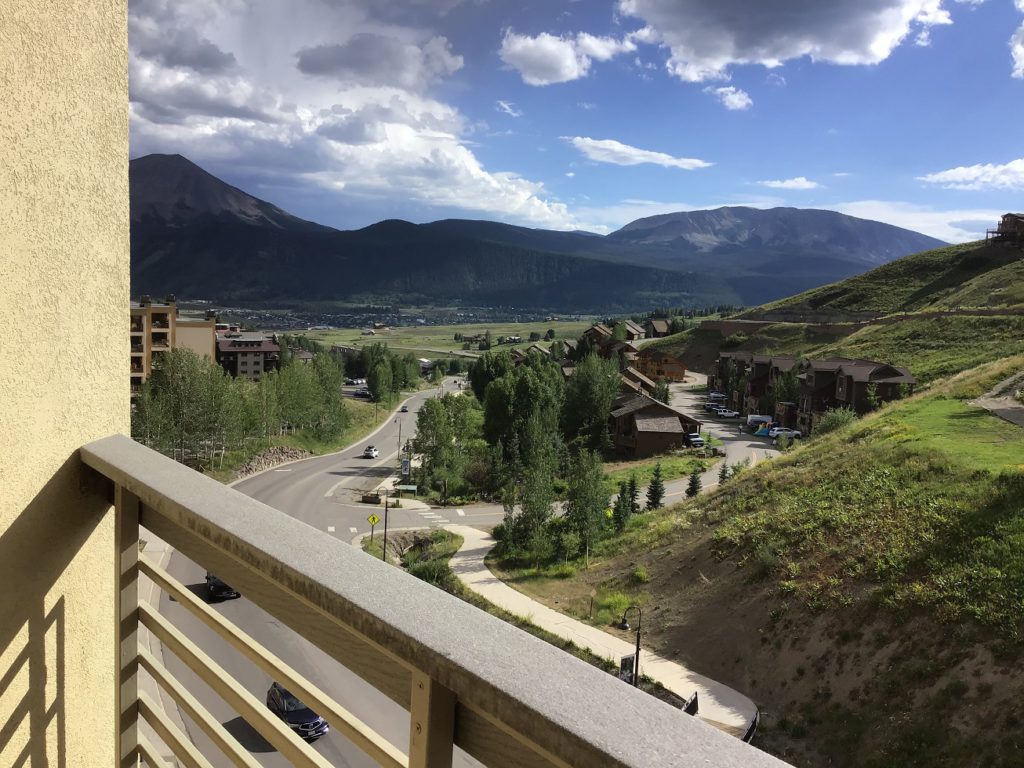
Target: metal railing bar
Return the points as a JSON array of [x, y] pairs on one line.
[[332, 635], [199, 714], [180, 745], [145, 749], [252, 710], [297, 573], [344, 721]]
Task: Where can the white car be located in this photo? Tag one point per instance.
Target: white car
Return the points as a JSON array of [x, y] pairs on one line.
[[371, 452], [727, 413], [792, 434]]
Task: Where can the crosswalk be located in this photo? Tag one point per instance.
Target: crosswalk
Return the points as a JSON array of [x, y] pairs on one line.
[[433, 518]]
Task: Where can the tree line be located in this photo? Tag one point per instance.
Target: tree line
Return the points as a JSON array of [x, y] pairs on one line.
[[192, 410]]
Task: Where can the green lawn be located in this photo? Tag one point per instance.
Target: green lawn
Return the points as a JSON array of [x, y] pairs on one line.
[[672, 468], [426, 340]]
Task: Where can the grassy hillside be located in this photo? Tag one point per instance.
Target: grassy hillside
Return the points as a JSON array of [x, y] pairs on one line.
[[932, 347], [970, 274], [865, 589]]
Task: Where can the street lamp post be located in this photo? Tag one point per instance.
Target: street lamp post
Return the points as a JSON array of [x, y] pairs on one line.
[[398, 421], [384, 549], [624, 624]]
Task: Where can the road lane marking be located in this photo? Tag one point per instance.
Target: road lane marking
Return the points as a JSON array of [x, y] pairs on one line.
[[330, 529], [282, 470], [460, 513], [353, 530]]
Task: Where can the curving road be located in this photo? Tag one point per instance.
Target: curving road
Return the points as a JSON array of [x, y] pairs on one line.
[[320, 492]]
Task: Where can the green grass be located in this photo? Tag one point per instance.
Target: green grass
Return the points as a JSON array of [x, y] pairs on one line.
[[427, 340], [932, 279], [672, 468], [918, 507]]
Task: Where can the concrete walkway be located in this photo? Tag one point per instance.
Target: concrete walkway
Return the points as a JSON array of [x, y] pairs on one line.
[[720, 705]]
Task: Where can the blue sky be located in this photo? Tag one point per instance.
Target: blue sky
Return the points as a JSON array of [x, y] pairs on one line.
[[589, 115]]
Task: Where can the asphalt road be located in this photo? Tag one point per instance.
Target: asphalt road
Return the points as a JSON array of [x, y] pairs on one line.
[[317, 492], [320, 491]]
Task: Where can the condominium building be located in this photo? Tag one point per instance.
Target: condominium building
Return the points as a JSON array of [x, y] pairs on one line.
[[248, 354], [156, 327]]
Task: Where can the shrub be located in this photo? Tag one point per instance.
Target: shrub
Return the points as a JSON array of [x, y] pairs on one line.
[[640, 575], [835, 418], [735, 340]]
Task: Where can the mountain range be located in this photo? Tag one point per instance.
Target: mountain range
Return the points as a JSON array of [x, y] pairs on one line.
[[196, 236]]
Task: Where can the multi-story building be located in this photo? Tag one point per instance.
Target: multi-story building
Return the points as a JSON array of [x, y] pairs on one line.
[[248, 354], [155, 327]]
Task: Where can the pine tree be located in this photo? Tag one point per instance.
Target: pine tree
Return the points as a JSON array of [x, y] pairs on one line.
[[723, 473], [634, 494], [621, 511], [656, 490], [694, 487]]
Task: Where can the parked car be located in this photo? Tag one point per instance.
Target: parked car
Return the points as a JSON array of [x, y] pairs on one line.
[[793, 434], [694, 440], [349, 382], [364, 392], [754, 421], [727, 413], [713, 406], [404, 409], [216, 589], [300, 718], [371, 452]]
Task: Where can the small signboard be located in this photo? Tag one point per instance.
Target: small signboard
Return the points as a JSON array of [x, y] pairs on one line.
[[373, 519], [406, 468], [411, 488], [626, 668]]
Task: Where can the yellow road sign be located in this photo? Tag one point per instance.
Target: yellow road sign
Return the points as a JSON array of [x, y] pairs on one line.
[[373, 519]]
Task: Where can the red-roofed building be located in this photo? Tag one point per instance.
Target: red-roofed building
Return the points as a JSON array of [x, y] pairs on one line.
[[248, 354]]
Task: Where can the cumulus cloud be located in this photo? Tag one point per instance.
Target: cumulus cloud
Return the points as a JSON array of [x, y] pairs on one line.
[[269, 92], [547, 59], [980, 177], [796, 183], [617, 153], [368, 58], [1017, 45], [731, 97], [705, 39]]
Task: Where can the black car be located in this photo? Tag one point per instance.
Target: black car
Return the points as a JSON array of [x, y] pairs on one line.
[[300, 718], [218, 590]]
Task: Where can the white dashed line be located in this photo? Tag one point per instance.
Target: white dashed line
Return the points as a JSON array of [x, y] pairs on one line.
[[460, 513], [330, 529], [353, 530], [282, 470]]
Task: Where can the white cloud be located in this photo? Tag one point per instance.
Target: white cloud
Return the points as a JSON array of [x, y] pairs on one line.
[[617, 153], [953, 226], [982, 176], [841, 174], [706, 39], [1017, 47], [797, 183], [357, 121], [570, 174], [774, 78], [508, 108], [731, 97], [547, 59]]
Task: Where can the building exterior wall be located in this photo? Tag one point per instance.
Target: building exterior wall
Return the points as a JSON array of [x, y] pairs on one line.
[[197, 335], [64, 268]]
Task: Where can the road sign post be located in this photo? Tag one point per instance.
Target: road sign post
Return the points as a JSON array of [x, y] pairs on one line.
[[384, 549], [372, 520]]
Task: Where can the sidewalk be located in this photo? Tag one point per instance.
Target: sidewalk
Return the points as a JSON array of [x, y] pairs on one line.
[[720, 705]]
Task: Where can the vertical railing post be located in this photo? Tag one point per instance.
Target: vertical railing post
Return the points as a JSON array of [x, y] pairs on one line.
[[126, 516], [432, 723]]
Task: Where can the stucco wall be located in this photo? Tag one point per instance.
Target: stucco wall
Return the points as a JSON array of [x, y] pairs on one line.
[[63, 370]]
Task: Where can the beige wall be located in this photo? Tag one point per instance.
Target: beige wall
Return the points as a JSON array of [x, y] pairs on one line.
[[199, 336], [63, 378]]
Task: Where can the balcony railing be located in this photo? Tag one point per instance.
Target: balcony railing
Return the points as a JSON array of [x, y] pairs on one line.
[[466, 678]]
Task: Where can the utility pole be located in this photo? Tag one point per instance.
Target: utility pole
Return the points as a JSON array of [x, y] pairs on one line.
[[384, 549]]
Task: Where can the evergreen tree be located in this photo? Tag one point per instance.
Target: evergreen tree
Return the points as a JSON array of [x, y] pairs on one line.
[[694, 487], [723, 473], [622, 508], [656, 490], [633, 489]]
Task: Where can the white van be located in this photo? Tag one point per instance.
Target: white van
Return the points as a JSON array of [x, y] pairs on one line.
[[754, 421]]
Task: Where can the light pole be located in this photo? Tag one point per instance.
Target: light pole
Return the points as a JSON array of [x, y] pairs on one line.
[[384, 549], [622, 625], [398, 421]]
